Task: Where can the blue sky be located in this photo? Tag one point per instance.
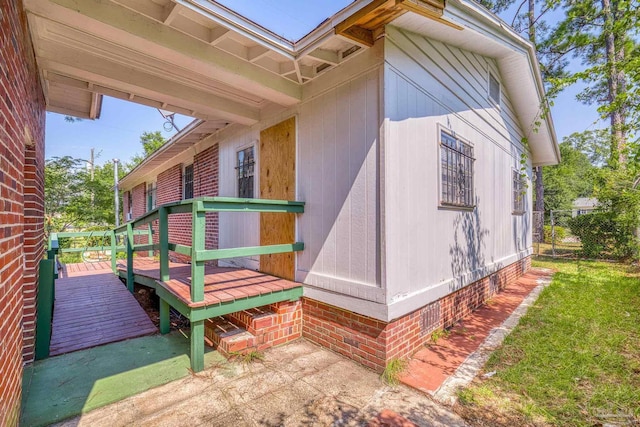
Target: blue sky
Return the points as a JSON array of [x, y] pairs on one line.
[[116, 134]]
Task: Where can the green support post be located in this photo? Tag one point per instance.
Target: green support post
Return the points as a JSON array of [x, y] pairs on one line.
[[198, 231], [165, 318], [44, 307], [150, 239], [163, 239], [197, 346], [114, 264], [130, 257]]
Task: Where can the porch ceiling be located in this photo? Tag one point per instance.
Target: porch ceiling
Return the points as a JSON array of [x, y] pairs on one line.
[[193, 57]]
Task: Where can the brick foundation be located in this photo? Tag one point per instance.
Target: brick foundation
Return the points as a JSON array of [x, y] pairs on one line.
[[373, 343], [255, 329], [22, 115]]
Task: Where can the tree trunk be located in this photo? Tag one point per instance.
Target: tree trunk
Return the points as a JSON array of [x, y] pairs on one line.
[[615, 84]]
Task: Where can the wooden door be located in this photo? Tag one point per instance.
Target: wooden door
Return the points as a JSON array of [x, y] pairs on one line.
[[278, 181]]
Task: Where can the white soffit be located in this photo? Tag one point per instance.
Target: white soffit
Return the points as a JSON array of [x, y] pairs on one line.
[[194, 132], [194, 57], [486, 35]]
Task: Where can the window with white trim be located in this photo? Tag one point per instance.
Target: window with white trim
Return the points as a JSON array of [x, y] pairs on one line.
[[494, 89], [151, 196], [187, 182], [456, 171], [519, 192], [245, 168]]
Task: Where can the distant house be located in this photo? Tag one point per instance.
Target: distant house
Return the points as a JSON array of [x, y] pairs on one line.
[[583, 205], [405, 148]]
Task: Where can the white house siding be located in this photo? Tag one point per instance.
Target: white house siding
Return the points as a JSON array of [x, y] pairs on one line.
[[432, 251], [337, 176]]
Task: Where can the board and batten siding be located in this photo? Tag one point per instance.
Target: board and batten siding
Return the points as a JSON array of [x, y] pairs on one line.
[[338, 128], [431, 251]]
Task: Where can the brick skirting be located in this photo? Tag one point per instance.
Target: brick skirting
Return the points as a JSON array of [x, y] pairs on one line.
[[373, 343]]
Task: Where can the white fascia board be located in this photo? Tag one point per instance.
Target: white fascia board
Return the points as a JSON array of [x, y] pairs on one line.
[[139, 169], [292, 50], [236, 22]]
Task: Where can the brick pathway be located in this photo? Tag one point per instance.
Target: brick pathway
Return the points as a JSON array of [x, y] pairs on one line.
[[432, 365]]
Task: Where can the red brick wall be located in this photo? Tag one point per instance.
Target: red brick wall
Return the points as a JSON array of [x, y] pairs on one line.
[[169, 189], [21, 202], [373, 343], [205, 183], [139, 208]]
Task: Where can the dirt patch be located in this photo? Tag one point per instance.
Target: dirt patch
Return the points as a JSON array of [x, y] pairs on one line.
[[150, 302]]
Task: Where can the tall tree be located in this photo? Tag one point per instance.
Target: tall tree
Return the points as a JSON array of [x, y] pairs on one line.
[[601, 35], [151, 142], [73, 198]]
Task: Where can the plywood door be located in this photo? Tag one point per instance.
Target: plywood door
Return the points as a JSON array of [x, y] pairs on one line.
[[277, 181]]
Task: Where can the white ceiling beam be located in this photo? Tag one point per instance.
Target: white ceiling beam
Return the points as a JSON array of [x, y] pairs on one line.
[[100, 71], [121, 26], [257, 52], [326, 56], [218, 34], [172, 10], [96, 105]]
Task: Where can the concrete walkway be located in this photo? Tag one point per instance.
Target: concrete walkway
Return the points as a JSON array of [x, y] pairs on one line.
[[297, 384]]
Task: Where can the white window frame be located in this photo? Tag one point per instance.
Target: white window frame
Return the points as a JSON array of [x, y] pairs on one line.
[[154, 197], [464, 145], [518, 192], [254, 146]]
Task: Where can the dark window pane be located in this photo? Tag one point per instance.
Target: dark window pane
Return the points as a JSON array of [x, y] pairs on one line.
[[245, 170], [188, 182]]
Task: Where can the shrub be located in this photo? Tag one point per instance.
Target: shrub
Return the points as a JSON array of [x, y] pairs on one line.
[[561, 233], [605, 234]]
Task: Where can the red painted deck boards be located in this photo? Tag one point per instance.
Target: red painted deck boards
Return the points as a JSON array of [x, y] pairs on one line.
[[92, 308], [221, 284]]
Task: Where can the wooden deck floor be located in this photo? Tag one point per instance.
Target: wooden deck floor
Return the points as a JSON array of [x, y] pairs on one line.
[[93, 307], [221, 284]]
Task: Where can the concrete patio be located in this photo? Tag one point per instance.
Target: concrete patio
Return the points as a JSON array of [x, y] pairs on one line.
[[297, 384]]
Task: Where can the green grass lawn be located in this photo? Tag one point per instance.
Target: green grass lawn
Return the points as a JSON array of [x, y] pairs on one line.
[[574, 359]]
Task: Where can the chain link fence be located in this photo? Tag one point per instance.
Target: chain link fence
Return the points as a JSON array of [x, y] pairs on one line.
[[567, 234]]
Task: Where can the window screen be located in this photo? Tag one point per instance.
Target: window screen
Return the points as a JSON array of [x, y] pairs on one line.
[[456, 169], [188, 182]]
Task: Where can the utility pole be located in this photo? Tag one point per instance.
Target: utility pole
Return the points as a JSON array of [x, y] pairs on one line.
[[115, 190], [91, 163]]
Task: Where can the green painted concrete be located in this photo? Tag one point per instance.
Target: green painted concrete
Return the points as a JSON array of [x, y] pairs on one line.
[[68, 385]]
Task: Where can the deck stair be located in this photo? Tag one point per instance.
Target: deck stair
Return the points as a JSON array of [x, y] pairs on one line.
[[257, 328]]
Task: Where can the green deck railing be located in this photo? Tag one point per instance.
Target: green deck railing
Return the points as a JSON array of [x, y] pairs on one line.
[[109, 236], [44, 306], [199, 255]]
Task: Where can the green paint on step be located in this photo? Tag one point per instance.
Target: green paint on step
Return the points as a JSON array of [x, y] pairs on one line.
[[71, 384]]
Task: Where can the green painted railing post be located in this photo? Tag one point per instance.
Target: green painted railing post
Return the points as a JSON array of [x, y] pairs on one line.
[[163, 240], [114, 263], [44, 307], [197, 345], [150, 237], [130, 257], [198, 229], [165, 317]]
